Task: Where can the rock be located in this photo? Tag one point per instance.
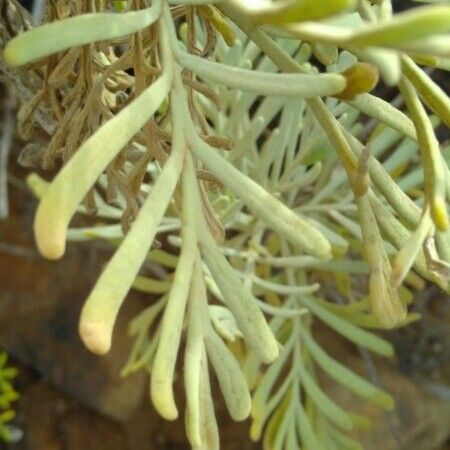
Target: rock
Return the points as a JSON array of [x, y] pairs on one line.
[[53, 421], [40, 302]]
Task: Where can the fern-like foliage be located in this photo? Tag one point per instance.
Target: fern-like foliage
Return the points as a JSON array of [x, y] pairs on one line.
[[220, 144]]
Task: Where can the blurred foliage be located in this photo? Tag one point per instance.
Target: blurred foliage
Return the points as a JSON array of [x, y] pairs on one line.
[[7, 396]]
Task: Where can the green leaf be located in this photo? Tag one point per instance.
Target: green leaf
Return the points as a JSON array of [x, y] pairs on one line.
[[231, 379], [264, 83], [241, 303], [286, 11], [172, 322], [409, 252], [326, 406], [76, 31], [347, 329], [7, 416], [414, 24], [434, 170], [431, 93], [150, 285], [305, 429], [349, 379], [72, 183], [224, 322], [193, 354], [383, 111], [209, 432], [101, 307]]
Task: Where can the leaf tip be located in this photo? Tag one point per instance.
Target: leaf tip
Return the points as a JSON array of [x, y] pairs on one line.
[[440, 216], [12, 53], [50, 234], [95, 335], [163, 400], [360, 78]]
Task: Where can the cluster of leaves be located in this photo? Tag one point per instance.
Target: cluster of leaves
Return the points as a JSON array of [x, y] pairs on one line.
[[204, 125], [7, 396]]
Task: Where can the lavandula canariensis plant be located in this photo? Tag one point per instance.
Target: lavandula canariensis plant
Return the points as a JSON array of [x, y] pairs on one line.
[[228, 142]]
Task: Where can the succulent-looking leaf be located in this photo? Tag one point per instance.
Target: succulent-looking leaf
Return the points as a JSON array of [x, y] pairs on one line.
[[240, 302], [285, 11], [347, 329], [408, 254], [193, 355], [172, 323], [101, 308], [72, 183], [299, 85], [76, 31], [231, 380], [386, 304], [434, 173]]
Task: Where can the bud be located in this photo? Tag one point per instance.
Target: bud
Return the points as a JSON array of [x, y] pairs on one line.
[[361, 78]]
